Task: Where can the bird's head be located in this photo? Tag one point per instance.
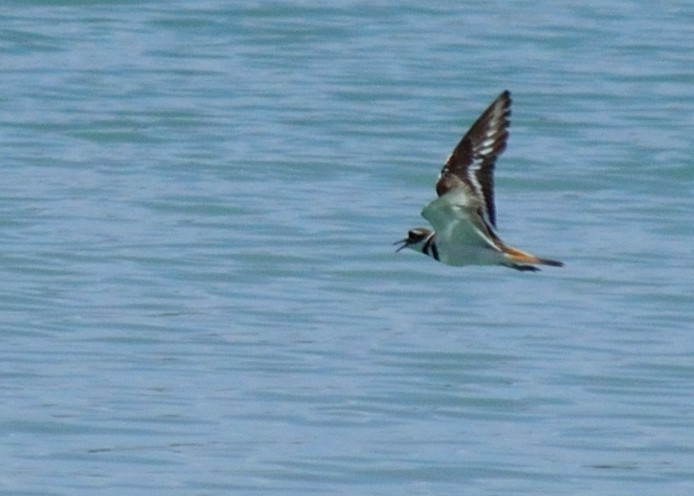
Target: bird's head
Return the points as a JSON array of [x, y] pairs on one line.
[[415, 239]]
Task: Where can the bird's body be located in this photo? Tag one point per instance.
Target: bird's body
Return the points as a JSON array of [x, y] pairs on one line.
[[464, 216], [459, 241]]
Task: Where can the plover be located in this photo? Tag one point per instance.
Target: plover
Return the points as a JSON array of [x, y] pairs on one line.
[[463, 216]]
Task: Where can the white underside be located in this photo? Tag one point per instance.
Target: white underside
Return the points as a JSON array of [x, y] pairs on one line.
[[469, 255], [460, 236]]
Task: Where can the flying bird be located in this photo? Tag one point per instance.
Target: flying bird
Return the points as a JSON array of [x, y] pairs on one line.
[[463, 216]]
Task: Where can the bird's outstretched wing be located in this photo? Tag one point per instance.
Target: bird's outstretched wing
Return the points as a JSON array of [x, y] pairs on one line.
[[471, 165]]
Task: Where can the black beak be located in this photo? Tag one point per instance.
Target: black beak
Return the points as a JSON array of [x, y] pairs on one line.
[[404, 242]]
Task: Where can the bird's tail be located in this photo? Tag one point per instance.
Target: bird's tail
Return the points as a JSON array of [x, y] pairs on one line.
[[549, 261], [518, 257]]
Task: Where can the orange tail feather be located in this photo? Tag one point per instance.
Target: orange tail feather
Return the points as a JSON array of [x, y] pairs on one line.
[[518, 256]]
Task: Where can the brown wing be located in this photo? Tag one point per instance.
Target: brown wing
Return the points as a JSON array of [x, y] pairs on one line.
[[472, 160]]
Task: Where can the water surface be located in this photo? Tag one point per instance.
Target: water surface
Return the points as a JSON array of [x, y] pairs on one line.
[[200, 292]]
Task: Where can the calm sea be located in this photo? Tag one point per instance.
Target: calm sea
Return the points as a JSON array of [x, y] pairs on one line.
[[199, 290]]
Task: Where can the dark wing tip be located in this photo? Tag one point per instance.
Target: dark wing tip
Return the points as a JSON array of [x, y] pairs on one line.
[[473, 159]]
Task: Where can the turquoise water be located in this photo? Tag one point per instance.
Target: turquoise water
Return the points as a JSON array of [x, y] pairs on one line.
[[200, 294]]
